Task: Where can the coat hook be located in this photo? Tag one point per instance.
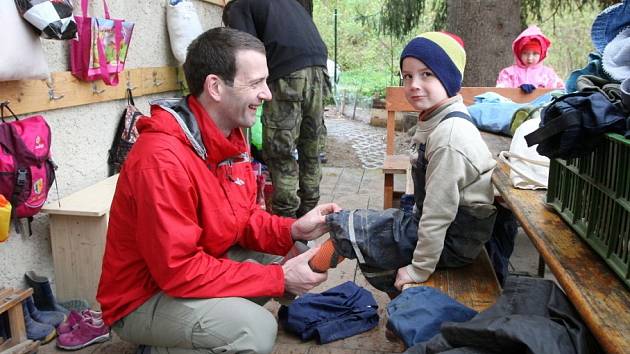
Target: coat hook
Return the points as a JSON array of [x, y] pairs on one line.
[[95, 90], [156, 82], [130, 86], [51, 90]]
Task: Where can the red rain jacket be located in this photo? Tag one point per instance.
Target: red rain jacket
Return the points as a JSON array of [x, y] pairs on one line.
[[182, 200]]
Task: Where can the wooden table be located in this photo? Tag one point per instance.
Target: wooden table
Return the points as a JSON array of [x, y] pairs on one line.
[[599, 296]]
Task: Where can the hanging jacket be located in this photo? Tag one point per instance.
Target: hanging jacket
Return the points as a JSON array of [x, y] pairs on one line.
[[537, 74], [185, 195]]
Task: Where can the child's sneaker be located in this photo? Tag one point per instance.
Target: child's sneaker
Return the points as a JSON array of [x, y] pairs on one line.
[[88, 331], [75, 317]]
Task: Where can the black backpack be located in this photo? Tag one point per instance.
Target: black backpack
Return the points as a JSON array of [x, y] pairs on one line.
[[125, 137], [573, 125]]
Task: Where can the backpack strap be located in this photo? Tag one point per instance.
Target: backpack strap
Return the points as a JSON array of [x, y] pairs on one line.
[[553, 127], [458, 114]]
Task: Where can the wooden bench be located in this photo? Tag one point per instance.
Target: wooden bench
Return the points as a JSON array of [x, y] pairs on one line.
[[78, 228], [599, 296], [396, 102], [11, 304]]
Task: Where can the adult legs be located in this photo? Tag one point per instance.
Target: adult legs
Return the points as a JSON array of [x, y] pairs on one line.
[[282, 118], [310, 141], [219, 325]]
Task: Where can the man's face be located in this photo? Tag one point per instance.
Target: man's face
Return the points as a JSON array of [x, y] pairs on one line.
[[248, 91]]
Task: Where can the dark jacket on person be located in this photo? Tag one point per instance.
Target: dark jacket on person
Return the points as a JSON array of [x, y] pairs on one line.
[[291, 39]]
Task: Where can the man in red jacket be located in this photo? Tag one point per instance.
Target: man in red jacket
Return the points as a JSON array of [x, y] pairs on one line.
[[189, 252]]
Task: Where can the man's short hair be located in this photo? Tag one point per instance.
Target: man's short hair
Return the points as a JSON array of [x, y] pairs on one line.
[[214, 52]]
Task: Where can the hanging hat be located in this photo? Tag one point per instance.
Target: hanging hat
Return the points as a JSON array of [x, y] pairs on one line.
[[609, 23], [616, 57], [443, 53]]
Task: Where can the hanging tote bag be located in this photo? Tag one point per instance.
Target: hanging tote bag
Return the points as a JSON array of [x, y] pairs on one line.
[[100, 51], [22, 55]]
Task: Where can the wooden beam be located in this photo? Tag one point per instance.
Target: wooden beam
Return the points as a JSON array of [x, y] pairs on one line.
[[64, 90]]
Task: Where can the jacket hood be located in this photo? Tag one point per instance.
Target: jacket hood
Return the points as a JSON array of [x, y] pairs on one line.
[[185, 119], [531, 32]]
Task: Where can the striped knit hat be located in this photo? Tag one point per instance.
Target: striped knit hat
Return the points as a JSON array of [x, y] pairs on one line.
[[443, 53]]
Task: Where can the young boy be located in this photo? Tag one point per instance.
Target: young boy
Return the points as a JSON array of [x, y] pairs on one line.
[[453, 166], [528, 71]]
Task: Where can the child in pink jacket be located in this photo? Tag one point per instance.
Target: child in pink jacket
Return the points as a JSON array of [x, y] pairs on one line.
[[528, 72]]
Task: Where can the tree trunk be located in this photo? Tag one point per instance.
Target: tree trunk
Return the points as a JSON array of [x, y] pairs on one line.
[[488, 28], [308, 5]]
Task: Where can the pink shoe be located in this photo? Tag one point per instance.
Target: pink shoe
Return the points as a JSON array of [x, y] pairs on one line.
[[75, 317], [87, 332]]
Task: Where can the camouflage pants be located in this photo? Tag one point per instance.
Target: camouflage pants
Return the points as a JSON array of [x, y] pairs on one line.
[[294, 119]]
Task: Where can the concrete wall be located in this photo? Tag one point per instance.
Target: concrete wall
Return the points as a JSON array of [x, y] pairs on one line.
[[82, 135]]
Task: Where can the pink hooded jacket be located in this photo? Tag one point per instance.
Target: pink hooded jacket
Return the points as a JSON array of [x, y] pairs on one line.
[[537, 74]]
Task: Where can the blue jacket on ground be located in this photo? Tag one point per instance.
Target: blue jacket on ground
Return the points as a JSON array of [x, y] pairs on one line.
[[337, 313]]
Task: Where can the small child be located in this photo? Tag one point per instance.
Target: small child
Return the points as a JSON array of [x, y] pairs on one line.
[[452, 171], [528, 72]]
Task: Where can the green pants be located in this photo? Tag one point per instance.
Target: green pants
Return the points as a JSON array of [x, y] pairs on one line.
[[294, 119], [219, 325]]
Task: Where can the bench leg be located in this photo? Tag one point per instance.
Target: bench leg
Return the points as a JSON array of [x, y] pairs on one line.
[[388, 197]]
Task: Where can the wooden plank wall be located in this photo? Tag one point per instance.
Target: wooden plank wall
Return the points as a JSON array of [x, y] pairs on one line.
[[62, 89]]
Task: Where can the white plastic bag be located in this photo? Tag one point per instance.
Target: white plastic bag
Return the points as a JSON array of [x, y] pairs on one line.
[[22, 54], [528, 169], [183, 26]]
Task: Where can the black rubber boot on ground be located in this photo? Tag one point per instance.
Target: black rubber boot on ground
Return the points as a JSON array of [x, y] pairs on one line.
[[42, 293], [35, 330]]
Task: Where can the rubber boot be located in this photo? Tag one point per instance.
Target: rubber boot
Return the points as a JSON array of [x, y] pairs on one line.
[[42, 293], [35, 330], [53, 318], [5, 332]]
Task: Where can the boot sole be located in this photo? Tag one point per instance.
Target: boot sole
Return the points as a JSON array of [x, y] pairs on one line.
[[99, 339]]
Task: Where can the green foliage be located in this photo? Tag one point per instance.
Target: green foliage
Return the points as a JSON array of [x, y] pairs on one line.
[[368, 57], [570, 35]]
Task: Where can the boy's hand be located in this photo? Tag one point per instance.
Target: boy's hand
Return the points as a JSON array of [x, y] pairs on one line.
[[313, 224], [527, 88], [402, 278], [298, 276]]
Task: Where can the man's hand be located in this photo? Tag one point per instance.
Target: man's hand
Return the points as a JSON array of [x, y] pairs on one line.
[[402, 278], [313, 224], [527, 88], [298, 276]]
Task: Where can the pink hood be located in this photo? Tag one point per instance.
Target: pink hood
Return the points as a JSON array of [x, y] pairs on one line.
[[537, 74], [532, 32]]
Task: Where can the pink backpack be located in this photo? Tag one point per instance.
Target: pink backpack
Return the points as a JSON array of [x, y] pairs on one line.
[[26, 168]]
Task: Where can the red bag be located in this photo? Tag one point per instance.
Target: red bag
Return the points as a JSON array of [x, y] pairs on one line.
[[101, 48]]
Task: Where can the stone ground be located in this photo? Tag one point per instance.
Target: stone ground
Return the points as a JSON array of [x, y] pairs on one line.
[[352, 179]]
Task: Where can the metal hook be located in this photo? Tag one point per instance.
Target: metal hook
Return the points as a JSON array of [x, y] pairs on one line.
[[156, 82], [51, 90], [130, 87], [95, 90]]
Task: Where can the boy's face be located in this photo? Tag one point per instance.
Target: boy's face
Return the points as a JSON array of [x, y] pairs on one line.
[[423, 90], [530, 57]]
